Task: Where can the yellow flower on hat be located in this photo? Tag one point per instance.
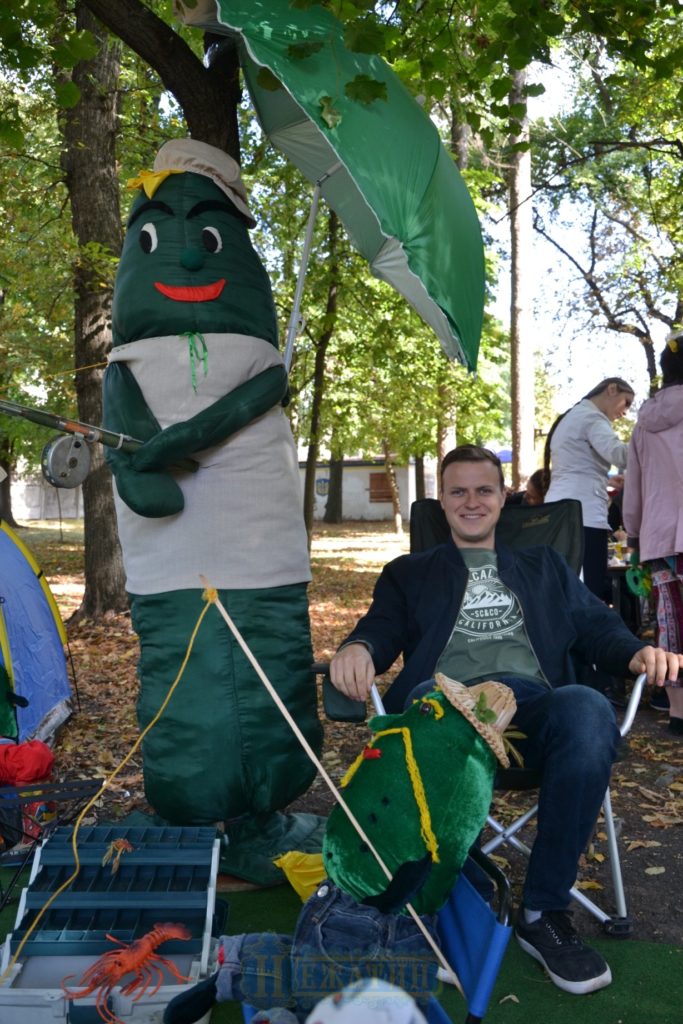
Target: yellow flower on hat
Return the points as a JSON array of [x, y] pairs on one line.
[[673, 338], [150, 180]]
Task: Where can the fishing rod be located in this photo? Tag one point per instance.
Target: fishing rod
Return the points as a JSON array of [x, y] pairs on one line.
[[60, 466]]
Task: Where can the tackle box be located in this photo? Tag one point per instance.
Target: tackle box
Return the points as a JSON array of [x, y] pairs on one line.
[[168, 876]]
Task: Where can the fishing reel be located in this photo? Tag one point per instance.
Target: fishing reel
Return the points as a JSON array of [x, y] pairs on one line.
[[65, 461]]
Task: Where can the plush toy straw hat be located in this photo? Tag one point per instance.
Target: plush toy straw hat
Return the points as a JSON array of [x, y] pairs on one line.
[[182, 155], [489, 707]]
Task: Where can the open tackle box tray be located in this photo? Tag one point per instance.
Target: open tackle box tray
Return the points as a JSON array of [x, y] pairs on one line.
[[169, 876]]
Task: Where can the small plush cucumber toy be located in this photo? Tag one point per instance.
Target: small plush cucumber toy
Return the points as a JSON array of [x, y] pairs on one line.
[[195, 373], [421, 790]]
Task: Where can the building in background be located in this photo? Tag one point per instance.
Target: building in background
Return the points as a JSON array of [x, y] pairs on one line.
[[365, 492]]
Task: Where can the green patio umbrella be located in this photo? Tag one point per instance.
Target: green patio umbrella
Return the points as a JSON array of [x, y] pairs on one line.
[[380, 165]]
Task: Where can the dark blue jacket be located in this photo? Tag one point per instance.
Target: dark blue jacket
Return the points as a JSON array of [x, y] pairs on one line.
[[417, 598]]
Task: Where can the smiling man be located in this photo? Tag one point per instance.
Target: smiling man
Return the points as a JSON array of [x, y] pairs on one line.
[[475, 610]]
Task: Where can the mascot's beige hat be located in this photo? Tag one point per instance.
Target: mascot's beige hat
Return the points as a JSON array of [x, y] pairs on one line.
[[179, 155], [489, 707]]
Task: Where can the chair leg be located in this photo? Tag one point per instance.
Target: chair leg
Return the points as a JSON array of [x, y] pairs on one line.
[[508, 835], [618, 925]]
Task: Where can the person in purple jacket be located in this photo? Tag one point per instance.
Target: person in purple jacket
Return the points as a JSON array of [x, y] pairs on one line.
[[475, 610], [653, 506]]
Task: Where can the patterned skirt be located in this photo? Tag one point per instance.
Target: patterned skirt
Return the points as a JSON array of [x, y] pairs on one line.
[[667, 588]]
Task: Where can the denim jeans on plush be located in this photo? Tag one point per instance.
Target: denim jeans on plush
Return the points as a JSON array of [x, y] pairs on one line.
[[336, 941], [571, 738]]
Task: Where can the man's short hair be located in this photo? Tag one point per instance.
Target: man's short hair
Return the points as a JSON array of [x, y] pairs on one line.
[[473, 453]]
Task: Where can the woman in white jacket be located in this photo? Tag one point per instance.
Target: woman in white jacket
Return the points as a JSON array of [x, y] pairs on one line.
[[580, 449]]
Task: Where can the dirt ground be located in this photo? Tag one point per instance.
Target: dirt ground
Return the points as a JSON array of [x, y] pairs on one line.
[[647, 788]]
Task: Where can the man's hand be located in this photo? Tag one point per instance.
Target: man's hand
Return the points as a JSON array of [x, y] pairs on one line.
[[352, 671], [661, 666]]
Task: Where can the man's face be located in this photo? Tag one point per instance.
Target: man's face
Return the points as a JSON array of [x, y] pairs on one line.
[[471, 497]]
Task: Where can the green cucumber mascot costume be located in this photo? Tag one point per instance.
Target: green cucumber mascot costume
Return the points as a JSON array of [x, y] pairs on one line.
[[421, 790], [195, 373]]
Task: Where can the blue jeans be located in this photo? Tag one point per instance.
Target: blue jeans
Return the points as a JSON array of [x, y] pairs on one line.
[[571, 740], [336, 941]]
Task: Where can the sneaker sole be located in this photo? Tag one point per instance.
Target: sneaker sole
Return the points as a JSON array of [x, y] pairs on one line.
[[576, 988]]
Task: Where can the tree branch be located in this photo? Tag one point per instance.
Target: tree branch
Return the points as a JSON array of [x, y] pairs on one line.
[[203, 93]]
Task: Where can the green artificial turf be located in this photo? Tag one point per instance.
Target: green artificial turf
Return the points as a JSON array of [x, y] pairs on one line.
[[647, 986]]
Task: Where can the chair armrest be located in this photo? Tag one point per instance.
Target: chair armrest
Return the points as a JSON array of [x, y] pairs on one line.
[[340, 708], [632, 706]]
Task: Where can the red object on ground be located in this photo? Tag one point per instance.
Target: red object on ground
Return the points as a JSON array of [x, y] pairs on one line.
[[25, 762]]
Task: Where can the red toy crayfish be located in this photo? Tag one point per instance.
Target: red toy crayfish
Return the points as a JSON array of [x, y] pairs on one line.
[[137, 958]]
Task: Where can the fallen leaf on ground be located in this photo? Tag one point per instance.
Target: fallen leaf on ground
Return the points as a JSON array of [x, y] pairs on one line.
[[642, 844]]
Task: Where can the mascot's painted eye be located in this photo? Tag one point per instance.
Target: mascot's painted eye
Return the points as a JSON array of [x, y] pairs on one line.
[[426, 708], [148, 238], [212, 240]]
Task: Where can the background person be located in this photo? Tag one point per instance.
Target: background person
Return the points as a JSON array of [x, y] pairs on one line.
[[581, 447], [475, 610], [653, 506], [533, 493]]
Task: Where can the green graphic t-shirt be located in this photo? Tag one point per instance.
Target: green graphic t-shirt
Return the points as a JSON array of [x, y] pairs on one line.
[[489, 639]]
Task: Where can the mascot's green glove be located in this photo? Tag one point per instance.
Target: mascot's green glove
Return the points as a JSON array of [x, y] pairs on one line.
[[153, 495], [213, 425], [421, 790]]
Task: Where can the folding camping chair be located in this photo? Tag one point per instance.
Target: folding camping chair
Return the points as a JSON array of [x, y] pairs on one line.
[[559, 525]]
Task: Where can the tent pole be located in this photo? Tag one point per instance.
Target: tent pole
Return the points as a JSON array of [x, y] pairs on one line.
[[293, 328]]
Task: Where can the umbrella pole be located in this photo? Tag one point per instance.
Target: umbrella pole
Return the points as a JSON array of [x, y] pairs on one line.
[[293, 328]]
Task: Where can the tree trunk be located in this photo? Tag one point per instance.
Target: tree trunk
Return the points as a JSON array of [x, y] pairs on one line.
[[445, 428], [521, 319], [6, 485], [89, 162], [334, 506], [419, 477], [319, 372], [393, 487]]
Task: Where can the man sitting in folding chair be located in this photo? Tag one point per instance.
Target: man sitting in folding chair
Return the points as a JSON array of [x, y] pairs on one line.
[[475, 610]]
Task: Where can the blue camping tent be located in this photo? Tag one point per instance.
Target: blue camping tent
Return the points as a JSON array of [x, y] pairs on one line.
[[32, 639]]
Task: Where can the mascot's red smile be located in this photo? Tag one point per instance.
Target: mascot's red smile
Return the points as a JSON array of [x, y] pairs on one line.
[[194, 293]]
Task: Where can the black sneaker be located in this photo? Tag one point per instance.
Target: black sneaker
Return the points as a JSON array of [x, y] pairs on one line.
[[554, 942]]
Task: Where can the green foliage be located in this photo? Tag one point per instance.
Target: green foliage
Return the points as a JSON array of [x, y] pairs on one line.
[[74, 47], [328, 112], [67, 94], [305, 48], [614, 160], [267, 80], [364, 36], [363, 89]]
